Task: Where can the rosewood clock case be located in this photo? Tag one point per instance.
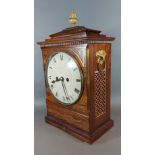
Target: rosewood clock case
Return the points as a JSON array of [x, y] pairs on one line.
[[89, 117]]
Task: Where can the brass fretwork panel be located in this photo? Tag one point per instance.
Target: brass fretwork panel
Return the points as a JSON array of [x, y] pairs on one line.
[[100, 92]]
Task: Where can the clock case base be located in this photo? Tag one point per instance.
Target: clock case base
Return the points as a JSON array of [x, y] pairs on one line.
[[78, 133]]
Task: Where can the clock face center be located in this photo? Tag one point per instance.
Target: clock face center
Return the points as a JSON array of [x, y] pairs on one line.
[[64, 78]]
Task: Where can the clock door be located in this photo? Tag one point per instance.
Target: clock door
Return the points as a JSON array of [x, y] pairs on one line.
[[66, 91]]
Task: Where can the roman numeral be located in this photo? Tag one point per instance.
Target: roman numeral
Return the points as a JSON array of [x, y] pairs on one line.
[[61, 57], [75, 69], [78, 80], [67, 98], [56, 94], [54, 60], [76, 90], [71, 98], [64, 98], [53, 81]]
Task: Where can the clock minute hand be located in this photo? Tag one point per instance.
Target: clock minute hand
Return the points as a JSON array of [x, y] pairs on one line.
[[65, 90]]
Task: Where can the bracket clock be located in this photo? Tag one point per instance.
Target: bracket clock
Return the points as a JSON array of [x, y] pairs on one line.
[[77, 66]]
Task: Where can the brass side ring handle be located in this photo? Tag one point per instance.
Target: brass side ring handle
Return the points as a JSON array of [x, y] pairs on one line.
[[101, 60]]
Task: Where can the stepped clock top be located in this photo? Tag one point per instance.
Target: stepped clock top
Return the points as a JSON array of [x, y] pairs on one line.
[[75, 33]]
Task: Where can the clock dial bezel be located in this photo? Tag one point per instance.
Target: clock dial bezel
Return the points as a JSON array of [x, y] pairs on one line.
[[75, 58]]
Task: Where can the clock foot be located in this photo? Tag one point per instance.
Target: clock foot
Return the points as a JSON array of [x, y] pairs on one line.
[[78, 133]]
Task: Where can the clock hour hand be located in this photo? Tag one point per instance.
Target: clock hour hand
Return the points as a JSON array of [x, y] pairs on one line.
[[57, 79]]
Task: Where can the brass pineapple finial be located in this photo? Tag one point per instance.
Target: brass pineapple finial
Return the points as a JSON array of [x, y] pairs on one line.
[[73, 18]]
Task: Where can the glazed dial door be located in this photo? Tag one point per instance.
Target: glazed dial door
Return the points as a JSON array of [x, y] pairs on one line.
[[64, 78]]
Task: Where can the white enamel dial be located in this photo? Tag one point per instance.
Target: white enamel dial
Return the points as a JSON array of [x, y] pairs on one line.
[[64, 78]]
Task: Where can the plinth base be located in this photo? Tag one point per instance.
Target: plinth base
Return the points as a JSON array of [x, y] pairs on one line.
[[78, 133]]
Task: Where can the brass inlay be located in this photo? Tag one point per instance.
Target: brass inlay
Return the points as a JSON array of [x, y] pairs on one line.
[[73, 18], [87, 61], [87, 75]]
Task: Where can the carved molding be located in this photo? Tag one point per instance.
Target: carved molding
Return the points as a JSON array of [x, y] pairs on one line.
[[75, 43]]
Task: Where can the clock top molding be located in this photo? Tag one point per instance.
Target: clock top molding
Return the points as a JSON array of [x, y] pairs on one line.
[[76, 34]]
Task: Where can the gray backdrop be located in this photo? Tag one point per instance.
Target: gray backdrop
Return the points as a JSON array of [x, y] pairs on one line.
[[51, 16]]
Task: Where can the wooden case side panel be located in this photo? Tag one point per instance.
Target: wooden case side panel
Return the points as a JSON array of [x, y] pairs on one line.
[[101, 85], [90, 85], [76, 114]]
